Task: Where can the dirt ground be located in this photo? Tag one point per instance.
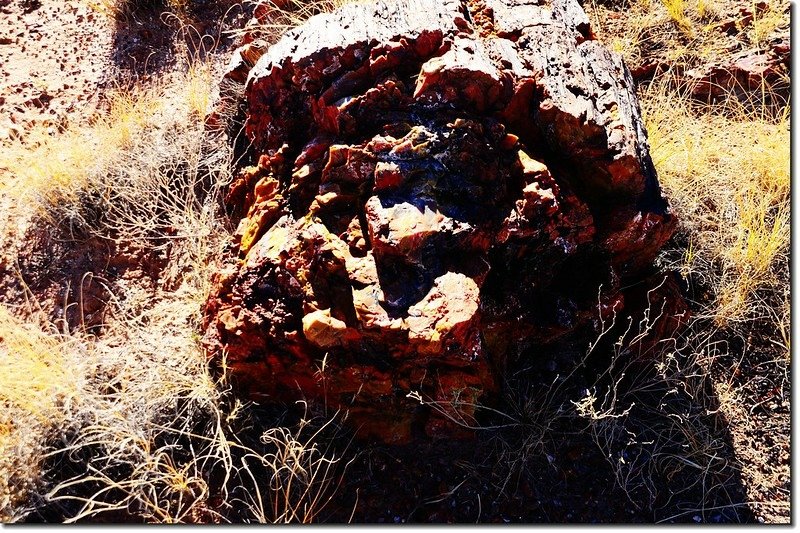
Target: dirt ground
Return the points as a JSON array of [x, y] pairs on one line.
[[55, 58]]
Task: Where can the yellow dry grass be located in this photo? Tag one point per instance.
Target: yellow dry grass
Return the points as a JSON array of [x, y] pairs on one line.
[[138, 406], [40, 376], [52, 169], [199, 85], [676, 9], [766, 22], [684, 33], [727, 174], [126, 171]]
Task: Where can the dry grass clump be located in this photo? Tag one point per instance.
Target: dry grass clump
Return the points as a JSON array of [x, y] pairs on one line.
[[686, 33], [766, 22], [678, 29], [40, 384], [659, 425], [131, 423], [52, 170], [726, 169], [149, 379], [159, 441], [276, 17], [677, 11], [138, 172], [138, 428], [727, 174]]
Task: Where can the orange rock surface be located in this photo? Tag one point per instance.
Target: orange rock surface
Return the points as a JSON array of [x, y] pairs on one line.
[[427, 195]]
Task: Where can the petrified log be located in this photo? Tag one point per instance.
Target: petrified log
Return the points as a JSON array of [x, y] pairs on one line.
[[439, 185]]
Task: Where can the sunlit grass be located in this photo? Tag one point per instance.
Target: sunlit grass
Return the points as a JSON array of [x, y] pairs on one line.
[[727, 173], [40, 383]]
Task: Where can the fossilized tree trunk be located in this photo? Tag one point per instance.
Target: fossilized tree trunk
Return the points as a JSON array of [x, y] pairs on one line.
[[438, 185]]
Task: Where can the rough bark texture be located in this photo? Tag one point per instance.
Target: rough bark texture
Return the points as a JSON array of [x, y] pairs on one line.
[[437, 186]]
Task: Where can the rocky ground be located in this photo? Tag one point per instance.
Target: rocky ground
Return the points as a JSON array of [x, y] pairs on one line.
[[733, 47], [57, 59]]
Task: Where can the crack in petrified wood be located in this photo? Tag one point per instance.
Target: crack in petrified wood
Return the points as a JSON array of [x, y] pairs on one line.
[[437, 184]]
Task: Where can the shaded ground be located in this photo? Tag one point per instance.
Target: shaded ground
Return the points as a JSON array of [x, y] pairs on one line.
[[743, 48]]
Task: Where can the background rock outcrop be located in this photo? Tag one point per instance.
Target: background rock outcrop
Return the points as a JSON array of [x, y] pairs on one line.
[[434, 189]]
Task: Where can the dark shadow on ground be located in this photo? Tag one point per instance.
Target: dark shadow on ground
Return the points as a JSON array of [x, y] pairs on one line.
[[632, 434], [153, 35]]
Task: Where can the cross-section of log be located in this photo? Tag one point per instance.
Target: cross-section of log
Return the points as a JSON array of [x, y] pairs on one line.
[[438, 184]]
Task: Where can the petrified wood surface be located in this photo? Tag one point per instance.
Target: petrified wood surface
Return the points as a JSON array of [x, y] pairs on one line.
[[439, 186]]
